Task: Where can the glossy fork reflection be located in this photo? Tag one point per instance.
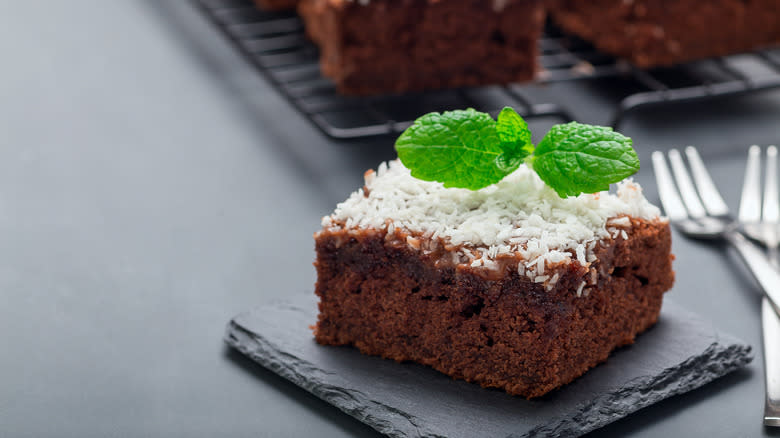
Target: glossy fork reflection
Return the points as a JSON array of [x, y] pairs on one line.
[[761, 223]]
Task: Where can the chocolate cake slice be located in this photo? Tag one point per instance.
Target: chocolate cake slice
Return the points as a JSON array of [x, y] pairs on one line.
[[509, 286], [663, 32], [395, 46]]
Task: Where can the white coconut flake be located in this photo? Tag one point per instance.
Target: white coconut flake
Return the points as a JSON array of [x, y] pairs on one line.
[[581, 254], [519, 215], [622, 221], [579, 289], [555, 256], [489, 264]]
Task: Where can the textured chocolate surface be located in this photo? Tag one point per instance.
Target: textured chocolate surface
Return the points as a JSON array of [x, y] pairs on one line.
[[664, 32], [678, 354], [494, 327], [393, 46]]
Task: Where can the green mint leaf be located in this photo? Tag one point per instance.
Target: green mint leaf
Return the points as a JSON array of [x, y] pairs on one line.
[[468, 149], [515, 137], [457, 148], [574, 158]]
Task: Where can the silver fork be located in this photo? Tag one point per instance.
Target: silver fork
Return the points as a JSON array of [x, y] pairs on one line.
[[762, 224], [712, 220], [706, 216]]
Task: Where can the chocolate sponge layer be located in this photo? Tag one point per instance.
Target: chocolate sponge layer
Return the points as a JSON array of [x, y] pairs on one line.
[[498, 329]]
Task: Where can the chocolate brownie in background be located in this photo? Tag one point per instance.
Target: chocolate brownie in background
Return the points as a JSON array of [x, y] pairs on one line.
[[397, 46], [276, 5], [653, 33]]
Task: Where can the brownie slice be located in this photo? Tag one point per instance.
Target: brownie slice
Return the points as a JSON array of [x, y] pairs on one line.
[[663, 32], [396, 46], [510, 286], [276, 5]]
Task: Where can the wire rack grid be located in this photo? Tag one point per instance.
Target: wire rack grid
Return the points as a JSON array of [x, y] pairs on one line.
[[276, 45]]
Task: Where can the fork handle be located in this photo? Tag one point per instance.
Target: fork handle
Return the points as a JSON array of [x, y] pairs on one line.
[[754, 257], [771, 330], [768, 278]]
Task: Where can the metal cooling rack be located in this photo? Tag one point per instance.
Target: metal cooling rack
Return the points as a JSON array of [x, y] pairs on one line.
[[274, 42]]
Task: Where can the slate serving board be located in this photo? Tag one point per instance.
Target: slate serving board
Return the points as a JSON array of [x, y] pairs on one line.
[[678, 354]]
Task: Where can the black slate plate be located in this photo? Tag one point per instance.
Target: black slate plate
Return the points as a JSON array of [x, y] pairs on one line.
[[678, 354]]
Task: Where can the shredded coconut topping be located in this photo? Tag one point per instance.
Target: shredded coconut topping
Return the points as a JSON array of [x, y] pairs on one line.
[[518, 216]]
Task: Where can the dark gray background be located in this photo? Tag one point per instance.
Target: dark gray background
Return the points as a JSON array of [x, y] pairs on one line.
[[152, 186]]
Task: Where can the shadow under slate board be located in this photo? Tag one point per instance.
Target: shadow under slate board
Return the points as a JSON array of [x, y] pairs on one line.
[[678, 354]]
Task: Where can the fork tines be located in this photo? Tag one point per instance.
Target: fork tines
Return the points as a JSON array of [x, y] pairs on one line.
[[750, 210], [694, 203], [759, 219]]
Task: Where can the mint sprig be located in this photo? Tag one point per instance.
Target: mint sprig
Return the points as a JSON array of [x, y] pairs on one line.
[[468, 149]]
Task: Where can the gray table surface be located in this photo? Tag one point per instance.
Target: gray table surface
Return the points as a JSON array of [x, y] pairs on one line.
[[152, 186]]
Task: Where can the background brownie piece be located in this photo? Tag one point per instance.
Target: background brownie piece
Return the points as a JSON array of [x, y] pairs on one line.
[[664, 32], [275, 5], [395, 46]]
